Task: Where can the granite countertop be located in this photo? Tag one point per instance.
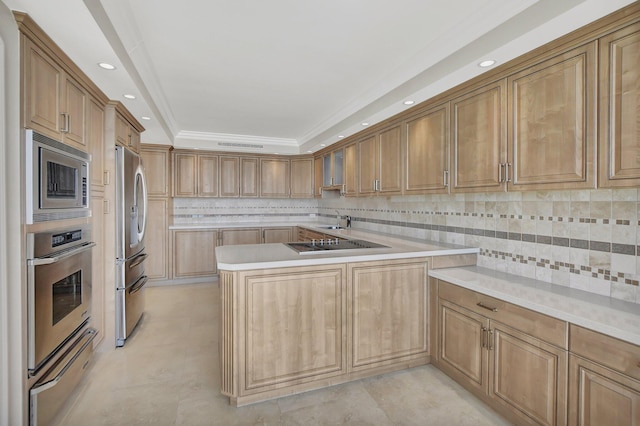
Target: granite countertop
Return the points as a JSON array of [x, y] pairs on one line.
[[613, 317], [261, 256]]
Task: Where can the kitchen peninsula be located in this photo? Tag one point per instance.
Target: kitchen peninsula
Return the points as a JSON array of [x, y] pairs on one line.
[[294, 321]]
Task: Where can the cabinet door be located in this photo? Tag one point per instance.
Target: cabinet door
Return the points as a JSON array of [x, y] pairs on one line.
[[294, 326], [390, 161], [527, 375], [274, 178], [207, 175], [426, 152], [229, 176], [95, 136], [620, 108], [388, 305], [599, 396], [74, 110], [185, 177], [157, 239], [249, 175], [327, 171], [460, 346], [478, 138], [241, 236], [134, 140], [351, 170], [123, 136], [368, 165], [194, 253], [156, 167], [337, 167], [43, 82], [552, 122], [301, 178], [277, 235], [318, 176]]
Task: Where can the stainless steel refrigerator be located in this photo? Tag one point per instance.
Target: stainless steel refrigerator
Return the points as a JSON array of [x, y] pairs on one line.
[[131, 215]]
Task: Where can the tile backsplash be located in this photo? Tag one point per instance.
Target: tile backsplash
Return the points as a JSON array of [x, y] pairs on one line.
[[581, 239], [585, 239]]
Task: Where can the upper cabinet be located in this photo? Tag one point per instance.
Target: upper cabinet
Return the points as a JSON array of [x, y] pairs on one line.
[[478, 139], [155, 159], [302, 177], [274, 177], [127, 128], [619, 108], [552, 122], [380, 163], [95, 136], [426, 154], [249, 177], [195, 175], [332, 168], [350, 170]]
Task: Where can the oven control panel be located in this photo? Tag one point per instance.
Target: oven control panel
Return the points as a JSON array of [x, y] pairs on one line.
[[66, 238]]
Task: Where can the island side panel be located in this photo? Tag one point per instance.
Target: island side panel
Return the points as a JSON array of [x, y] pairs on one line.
[[228, 334], [388, 313], [293, 326]]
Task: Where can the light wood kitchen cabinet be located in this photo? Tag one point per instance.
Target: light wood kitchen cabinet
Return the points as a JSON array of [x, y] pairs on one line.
[[350, 170], [123, 126], [426, 152], [98, 287], [277, 235], [249, 177], [55, 104], [380, 163], [302, 177], [275, 178], [156, 162], [512, 358], [318, 174], [157, 239], [388, 302], [478, 139], [619, 108], [240, 236], [333, 168], [229, 176], [195, 175], [604, 379], [95, 136], [194, 252], [552, 123]]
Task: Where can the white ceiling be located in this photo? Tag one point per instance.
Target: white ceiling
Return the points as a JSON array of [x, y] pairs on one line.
[[290, 76]]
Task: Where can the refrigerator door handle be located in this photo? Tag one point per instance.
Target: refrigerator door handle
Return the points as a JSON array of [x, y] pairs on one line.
[[141, 179], [138, 260], [138, 284]]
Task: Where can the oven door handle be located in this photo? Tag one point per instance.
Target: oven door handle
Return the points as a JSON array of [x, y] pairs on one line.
[[138, 260], [64, 255], [88, 336], [139, 284]]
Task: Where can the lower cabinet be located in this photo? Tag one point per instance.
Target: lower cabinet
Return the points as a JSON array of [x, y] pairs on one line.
[[604, 380], [240, 236], [157, 265], [277, 235], [194, 252], [515, 371]]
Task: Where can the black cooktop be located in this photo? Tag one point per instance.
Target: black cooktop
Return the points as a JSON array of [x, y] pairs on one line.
[[332, 245]]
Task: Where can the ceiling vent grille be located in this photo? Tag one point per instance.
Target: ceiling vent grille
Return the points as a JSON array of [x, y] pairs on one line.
[[241, 145]]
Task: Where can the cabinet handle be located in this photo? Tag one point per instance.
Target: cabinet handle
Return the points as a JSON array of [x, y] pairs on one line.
[[490, 340], [106, 207], [506, 174], [65, 120], [483, 338], [106, 177], [446, 178], [501, 173], [376, 185], [482, 305]]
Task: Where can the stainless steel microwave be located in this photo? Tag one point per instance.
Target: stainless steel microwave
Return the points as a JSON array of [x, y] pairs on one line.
[[56, 180]]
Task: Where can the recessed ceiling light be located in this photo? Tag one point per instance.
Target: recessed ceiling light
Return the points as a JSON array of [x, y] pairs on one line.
[[107, 66], [487, 63], [365, 124], [409, 102], [323, 144], [341, 136], [129, 96], [144, 117], [309, 151]]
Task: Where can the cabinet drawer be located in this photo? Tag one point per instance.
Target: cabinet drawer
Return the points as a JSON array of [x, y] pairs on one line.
[[608, 351], [538, 325]]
